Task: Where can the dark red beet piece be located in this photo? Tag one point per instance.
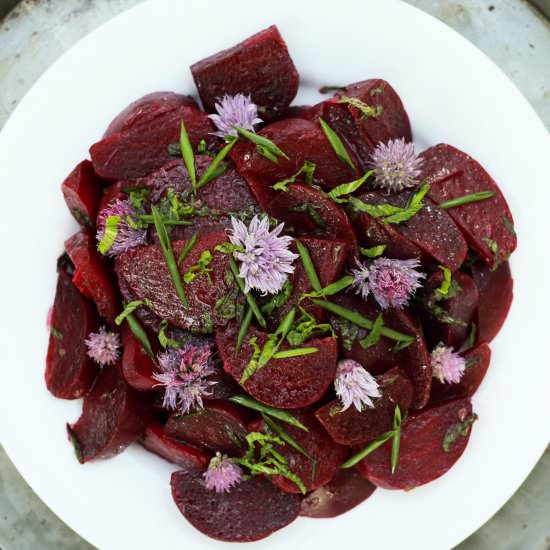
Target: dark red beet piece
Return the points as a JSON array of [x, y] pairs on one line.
[[183, 456], [496, 291], [144, 272], [260, 67], [113, 417], [432, 440], [317, 444], [137, 367], [477, 363], [252, 510], [92, 275], [70, 373], [282, 383], [82, 191], [451, 174], [220, 426], [450, 321], [301, 140], [379, 358], [144, 111], [223, 384], [352, 427], [347, 489]]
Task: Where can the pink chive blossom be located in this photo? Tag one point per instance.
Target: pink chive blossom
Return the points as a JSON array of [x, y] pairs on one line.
[[447, 364], [396, 165], [354, 385], [127, 236], [391, 282], [222, 474], [266, 259], [237, 110], [103, 346], [183, 375]]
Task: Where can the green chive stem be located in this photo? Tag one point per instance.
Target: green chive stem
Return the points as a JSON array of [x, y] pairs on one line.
[[249, 298], [367, 450], [467, 199]]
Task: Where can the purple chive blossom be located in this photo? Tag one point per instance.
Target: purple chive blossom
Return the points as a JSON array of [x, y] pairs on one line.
[[395, 165], [391, 282], [354, 385], [266, 260], [222, 474], [127, 236], [183, 374], [447, 364], [103, 346], [237, 110]]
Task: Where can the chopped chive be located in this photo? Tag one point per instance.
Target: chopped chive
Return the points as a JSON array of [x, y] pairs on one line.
[[348, 188], [188, 155], [337, 144], [396, 439], [331, 289], [265, 146], [249, 298], [276, 339], [169, 256], [130, 307], [210, 173], [250, 403], [307, 169], [467, 199], [140, 334], [443, 289], [187, 248], [308, 266], [372, 446], [147, 218], [374, 251], [245, 324], [294, 353], [109, 234]]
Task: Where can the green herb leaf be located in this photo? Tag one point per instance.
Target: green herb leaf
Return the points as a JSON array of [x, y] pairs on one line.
[[457, 430], [443, 289], [348, 188], [130, 308], [312, 210], [245, 324], [493, 247], [188, 155], [187, 248], [396, 438], [253, 363], [285, 354], [56, 334], [166, 342], [138, 197], [308, 265], [337, 145], [329, 290], [467, 199], [200, 268], [140, 334], [372, 446], [307, 170], [109, 235], [374, 335], [275, 340], [374, 252], [347, 330], [509, 225], [249, 298], [278, 300], [228, 248], [210, 172], [265, 146], [366, 110]]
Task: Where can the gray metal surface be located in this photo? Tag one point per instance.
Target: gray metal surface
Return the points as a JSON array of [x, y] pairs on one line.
[[511, 32]]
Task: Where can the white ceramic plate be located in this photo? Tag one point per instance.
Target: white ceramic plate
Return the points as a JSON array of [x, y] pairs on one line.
[[452, 93]]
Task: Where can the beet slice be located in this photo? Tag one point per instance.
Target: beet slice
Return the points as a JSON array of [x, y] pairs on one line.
[[260, 67], [143, 271], [70, 373], [432, 440], [113, 417], [184, 456], [346, 490], [451, 174], [144, 111], [82, 191], [140, 150], [496, 291], [449, 320], [283, 383], [352, 427], [477, 363], [380, 357], [137, 367], [220, 426], [301, 140], [250, 511], [92, 275], [317, 443]]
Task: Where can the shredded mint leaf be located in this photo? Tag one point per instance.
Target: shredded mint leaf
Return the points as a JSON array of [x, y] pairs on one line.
[[130, 308], [307, 170], [306, 327], [445, 286], [493, 247], [348, 188], [253, 364], [347, 330], [200, 268], [109, 235], [228, 248], [337, 145], [374, 335], [56, 334], [457, 430], [138, 197], [366, 110], [278, 300], [166, 342], [374, 252]]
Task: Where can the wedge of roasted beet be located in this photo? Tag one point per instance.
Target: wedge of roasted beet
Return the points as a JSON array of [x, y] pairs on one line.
[[260, 67], [432, 440], [496, 291], [220, 426], [82, 191], [301, 140], [250, 511], [113, 417], [283, 383], [352, 427], [70, 373], [477, 362], [487, 224], [184, 456], [347, 489], [143, 271], [92, 275], [138, 368]]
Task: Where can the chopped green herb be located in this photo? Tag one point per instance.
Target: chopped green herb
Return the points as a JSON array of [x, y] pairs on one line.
[[249, 298], [347, 330], [374, 335], [56, 334], [201, 147], [109, 235], [493, 247], [285, 354], [210, 172], [312, 210], [200, 268], [372, 446], [188, 155], [377, 90], [445, 286], [308, 265], [306, 327], [467, 199], [228, 248], [130, 308], [245, 324], [509, 225], [374, 252], [140, 334], [396, 439], [337, 145], [253, 363], [348, 188], [278, 300], [366, 110], [264, 146], [471, 337], [331, 289], [307, 170], [457, 430], [166, 342], [138, 197], [187, 248], [275, 339]]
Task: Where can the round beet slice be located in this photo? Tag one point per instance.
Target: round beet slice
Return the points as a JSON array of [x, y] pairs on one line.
[[113, 417], [347, 489], [432, 440], [138, 368], [220, 426], [250, 511], [352, 427], [70, 373], [184, 456], [283, 383]]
